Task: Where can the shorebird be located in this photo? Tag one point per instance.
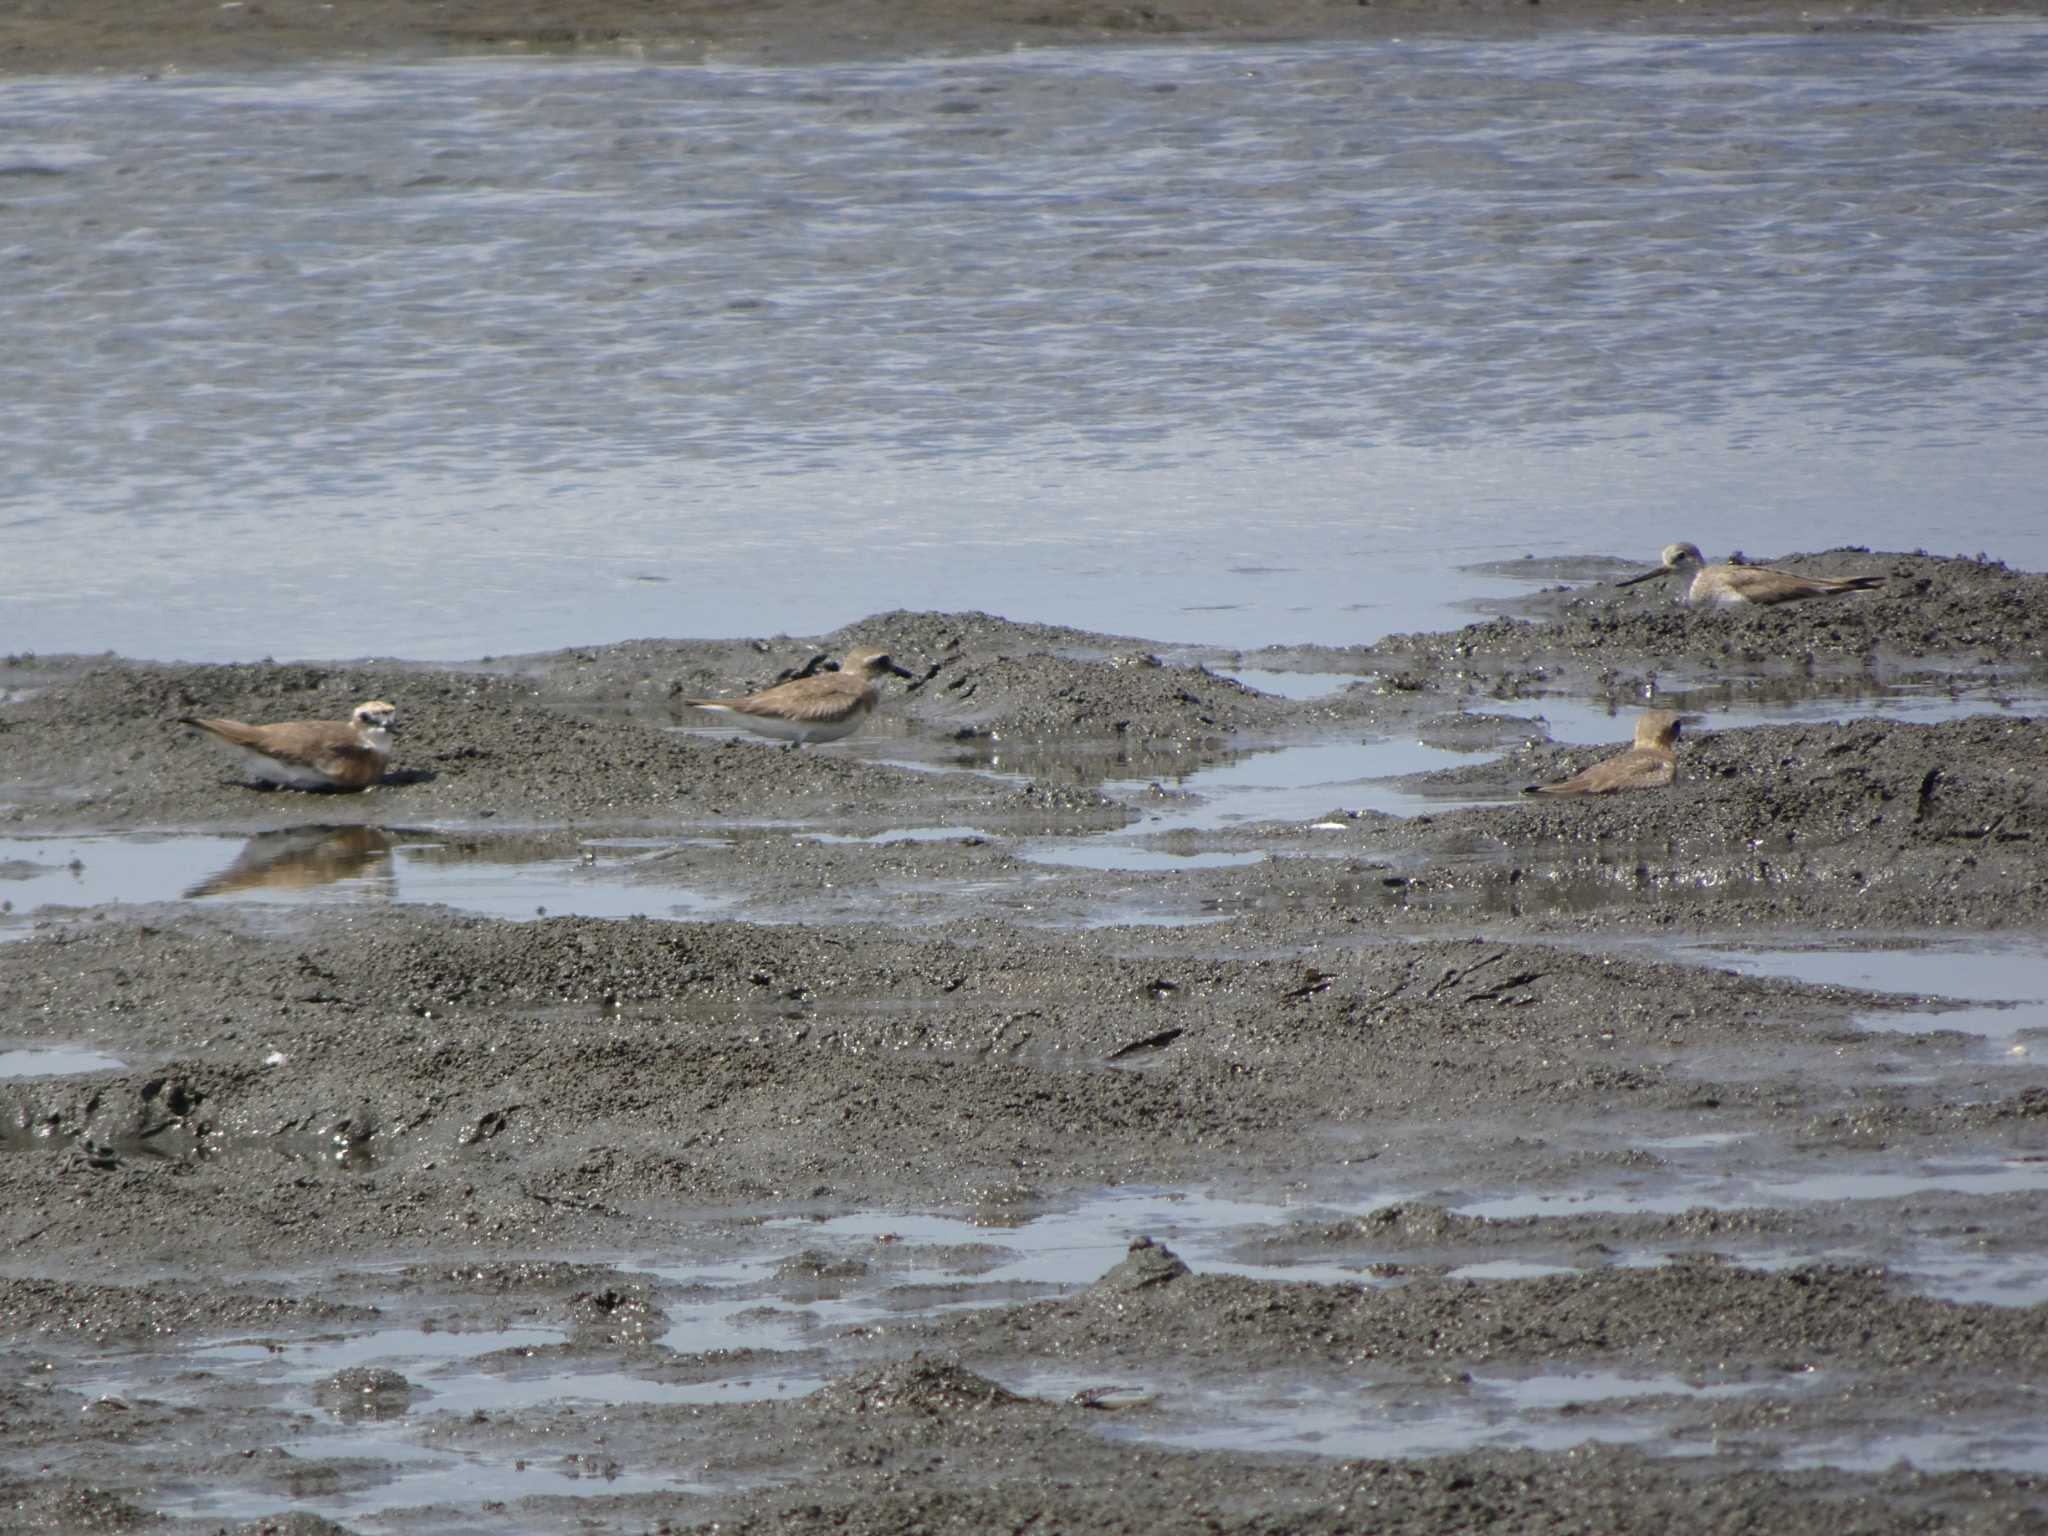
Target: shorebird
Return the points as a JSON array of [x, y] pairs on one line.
[[822, 707], [312, 754], [1747, 583], [1649, 764]]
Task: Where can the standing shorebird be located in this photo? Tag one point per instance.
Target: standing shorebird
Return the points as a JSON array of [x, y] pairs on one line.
[[823, 707], [312, 754], [1747, 583], [1650, 764]]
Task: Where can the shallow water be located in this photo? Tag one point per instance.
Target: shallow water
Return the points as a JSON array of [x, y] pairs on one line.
[[1727, 1190], [513, 877], [1302, 782], [1106, 855], [1229, 344], [1291, 685], [361, 1473], [787, 1326], [331, 864], [2016, 1447], [2010, 976], [1391, 1419], [55, 1061], [1584, 722]]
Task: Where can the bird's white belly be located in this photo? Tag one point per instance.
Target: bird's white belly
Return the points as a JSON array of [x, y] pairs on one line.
[[268, 770], [1704, 591], [805, 731]]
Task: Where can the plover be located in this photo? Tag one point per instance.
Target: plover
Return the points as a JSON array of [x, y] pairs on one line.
[[822, 707], [312, 754], [1747, 583], [1649, 764]]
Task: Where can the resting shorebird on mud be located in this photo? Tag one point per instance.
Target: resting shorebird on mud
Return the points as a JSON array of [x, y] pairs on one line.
[[1650, 764], [312, 754], [823, 707], [1757, 584]]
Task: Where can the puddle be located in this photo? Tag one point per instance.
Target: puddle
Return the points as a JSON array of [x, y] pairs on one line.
[[1582, 722], [1971, 1276], [338, 865], [2012, 978], [899, 835], [1106, 855], [55, 1061], [1509, 1269], [1074, 1246], [1300, 783], [2019, 1448], [1303, 783], [1694, 1143], [749, 1305], [402, 1349], [1729, 1191], [1292, 685], [502, 1393], [368, 1474], [1132, 915], [1988, 1279], [1401, 1419], [1550, 1412], [903, 1265], [369, 1468]]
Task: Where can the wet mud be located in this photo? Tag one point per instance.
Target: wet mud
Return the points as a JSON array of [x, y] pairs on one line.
[[1103, 1093], [170, 35]]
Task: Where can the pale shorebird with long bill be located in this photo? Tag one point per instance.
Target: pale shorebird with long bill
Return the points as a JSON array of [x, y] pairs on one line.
[[312, 754], [1757, 584], [822, 707], [1650, 764]]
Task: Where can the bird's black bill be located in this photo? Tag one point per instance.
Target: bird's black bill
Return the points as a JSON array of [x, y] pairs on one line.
[[1629, 581]]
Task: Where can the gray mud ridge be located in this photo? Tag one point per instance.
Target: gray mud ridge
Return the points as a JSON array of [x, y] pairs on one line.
[[571, 1081], [1870, 824], [1522, 1140], [598, 737]]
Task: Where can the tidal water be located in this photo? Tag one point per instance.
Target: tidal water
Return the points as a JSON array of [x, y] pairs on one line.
[[1217, 344]]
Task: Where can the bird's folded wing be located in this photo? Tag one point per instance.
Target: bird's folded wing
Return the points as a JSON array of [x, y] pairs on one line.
[[808, 699]]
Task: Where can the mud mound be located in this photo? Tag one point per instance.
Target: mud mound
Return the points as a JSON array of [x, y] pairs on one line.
[[102, 747], [1929, 608]]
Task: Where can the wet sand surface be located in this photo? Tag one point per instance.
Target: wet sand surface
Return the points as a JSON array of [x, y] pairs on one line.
[[1105, 1095], [128, 35]]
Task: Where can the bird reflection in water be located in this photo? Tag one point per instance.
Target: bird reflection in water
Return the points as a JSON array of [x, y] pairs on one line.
[[302, 858]]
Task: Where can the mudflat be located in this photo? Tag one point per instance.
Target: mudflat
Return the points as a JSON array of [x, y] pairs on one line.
[[1049, 1106], [151, 35]]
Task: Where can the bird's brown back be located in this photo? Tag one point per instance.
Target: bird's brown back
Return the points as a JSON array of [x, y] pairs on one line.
[[1637, 768], [326, 747], [823, 698]]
